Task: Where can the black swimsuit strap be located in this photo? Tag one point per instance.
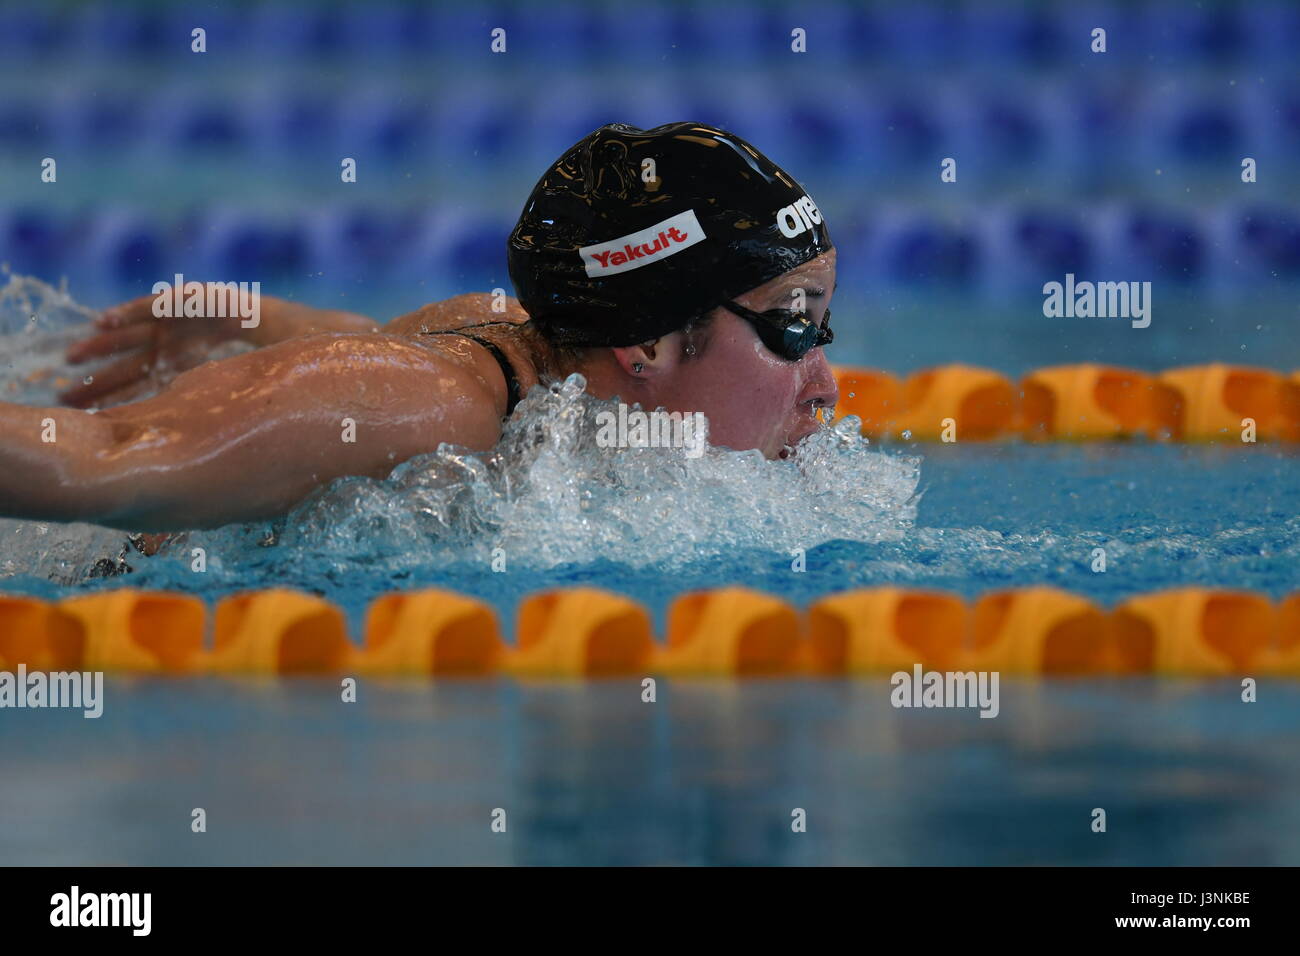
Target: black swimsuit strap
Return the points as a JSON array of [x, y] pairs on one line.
[[513, 395]]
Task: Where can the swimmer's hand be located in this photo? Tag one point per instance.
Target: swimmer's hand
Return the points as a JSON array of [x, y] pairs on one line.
[[149, 351]]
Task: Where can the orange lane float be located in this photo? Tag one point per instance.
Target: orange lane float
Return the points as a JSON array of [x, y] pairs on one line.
[[279, 632], [979, 403], [1049, 632], [731, 631], [1290, 428], [1281, 657], [873, 396], [39, 635], [581, 632], [585, 632], [883, 630], [1214, 399], [430, 633], [152, 632], [1199, 631], [1088, 401], [1082, 401]]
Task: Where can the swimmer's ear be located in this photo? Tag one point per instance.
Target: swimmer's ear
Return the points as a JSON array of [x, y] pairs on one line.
[[636, 359]]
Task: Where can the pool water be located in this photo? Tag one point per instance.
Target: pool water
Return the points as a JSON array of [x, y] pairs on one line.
[[711, 772]]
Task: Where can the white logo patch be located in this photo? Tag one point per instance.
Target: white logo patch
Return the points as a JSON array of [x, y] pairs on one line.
[[800, 216], [643, 248]]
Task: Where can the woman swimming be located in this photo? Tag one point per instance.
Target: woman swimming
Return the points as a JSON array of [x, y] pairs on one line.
[[675, 267]]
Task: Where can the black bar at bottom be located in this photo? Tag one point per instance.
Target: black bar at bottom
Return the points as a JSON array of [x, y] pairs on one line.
[[334, 905]]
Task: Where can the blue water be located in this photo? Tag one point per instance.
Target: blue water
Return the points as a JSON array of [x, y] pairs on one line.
[[989, 516], [710, 774]]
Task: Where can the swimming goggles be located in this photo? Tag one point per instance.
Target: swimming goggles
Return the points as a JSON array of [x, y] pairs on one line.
[[788, 333]]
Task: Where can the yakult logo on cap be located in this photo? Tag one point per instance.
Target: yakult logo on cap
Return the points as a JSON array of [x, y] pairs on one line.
[[642, 248], [800, 216]]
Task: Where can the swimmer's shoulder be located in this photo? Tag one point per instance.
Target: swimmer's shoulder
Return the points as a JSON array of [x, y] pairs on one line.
[[487, 333], [458, 312]]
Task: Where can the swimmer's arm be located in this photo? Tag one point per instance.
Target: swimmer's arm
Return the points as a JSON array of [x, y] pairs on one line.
[[244, 439], [290, 320]]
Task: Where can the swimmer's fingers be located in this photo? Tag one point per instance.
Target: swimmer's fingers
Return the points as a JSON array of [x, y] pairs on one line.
[[128, 313], [110, 342], [107, 381]]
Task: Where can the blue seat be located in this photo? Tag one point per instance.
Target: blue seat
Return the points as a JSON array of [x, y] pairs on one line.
[[483, 130], [1005, 133], [293, 121], [1269, 238], [188, 119], [463, 32], [1015, 34], [95, 119], [1052, 241], [646, 37], [555, 32], [729, 31], [28, 31], [837, 33], [351, 243], [917, 249], [33, 242], [1194, 34], [304, 31], [22, 122], [1155, 243], [922, 35], [125, 250], [385, 126], [124, 32], [1205, 132], [810, 136], [383, 30], [1272, 32], [240, 247], [477, 254], [902, 132], [456, 248]]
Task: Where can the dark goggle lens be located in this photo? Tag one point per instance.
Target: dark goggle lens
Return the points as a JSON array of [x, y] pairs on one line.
[[788, 334], [801, 337]]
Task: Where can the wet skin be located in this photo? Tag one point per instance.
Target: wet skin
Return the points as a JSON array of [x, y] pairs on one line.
[[245, 438]]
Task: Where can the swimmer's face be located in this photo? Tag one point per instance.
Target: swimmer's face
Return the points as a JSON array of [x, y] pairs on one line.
[[752, 397]]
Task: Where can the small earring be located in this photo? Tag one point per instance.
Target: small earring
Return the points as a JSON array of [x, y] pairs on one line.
[[637, 367], [690, 350]]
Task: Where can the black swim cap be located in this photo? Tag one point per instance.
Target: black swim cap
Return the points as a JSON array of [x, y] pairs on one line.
[[632, 233]]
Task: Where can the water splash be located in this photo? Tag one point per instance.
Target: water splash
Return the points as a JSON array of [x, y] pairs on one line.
[[549, 495], [546, 496]]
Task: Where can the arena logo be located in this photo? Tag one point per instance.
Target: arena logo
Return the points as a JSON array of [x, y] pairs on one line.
[[946, 689], [658, 429], [798, 217], [643, 248], [58, 689], [213, 300], [1103, 300], [75, 908]]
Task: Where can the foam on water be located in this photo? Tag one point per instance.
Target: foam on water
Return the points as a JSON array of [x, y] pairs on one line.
[[547, 495]]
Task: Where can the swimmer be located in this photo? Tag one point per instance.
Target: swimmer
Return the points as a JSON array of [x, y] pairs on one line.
[[676, 267]]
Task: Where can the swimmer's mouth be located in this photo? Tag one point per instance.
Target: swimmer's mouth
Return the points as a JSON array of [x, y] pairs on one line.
[[788, 449]]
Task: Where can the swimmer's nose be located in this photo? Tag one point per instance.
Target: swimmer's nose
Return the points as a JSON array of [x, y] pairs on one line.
[[820, 390]]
